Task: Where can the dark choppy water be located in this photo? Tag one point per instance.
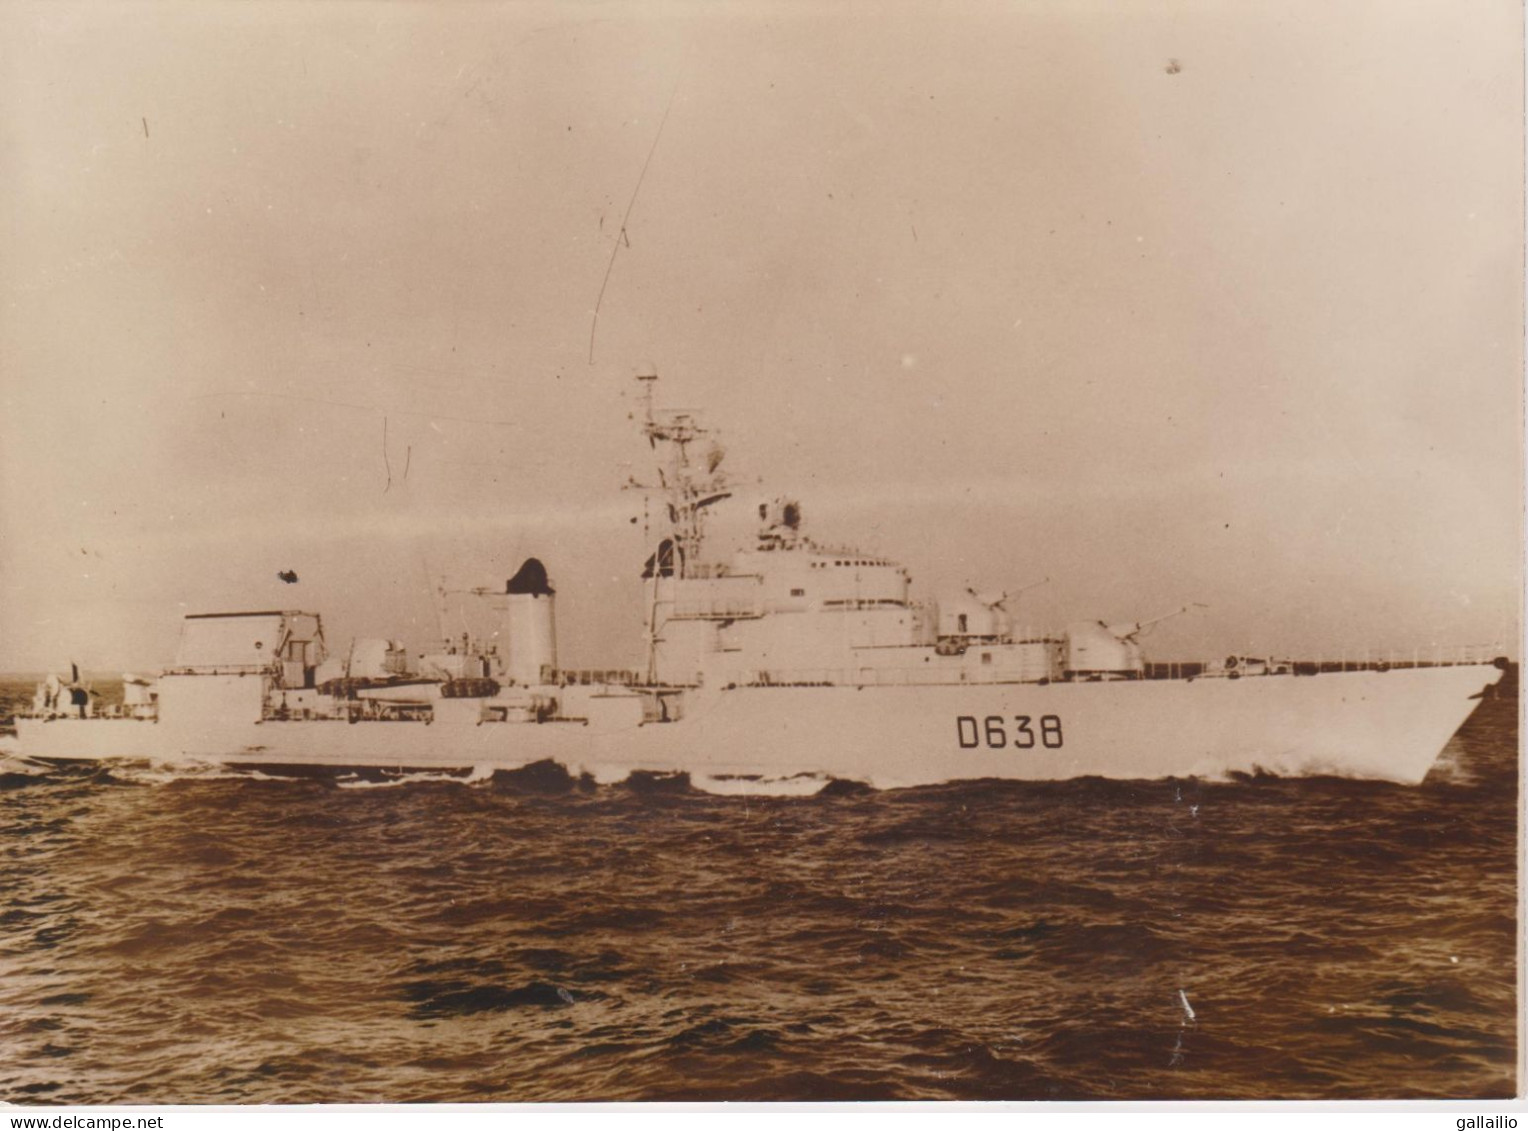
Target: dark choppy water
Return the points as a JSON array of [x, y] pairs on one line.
[[219, 939]]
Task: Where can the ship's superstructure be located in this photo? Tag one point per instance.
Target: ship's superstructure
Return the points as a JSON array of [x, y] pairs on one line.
[[788, 610], [784, 665]]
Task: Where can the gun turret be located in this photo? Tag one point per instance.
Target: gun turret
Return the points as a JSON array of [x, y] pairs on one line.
[[1096, 650]]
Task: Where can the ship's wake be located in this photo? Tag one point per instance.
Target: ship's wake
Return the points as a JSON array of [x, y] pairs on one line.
[[760, 785], [390, 779], [551, 777]]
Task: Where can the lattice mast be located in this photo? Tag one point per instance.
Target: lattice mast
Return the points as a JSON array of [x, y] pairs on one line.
[[690, 479]]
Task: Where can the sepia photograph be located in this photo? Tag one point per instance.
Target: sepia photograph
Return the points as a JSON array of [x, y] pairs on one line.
[[653, 551]]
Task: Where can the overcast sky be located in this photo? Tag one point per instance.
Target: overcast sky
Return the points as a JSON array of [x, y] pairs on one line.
[[1175, 302]]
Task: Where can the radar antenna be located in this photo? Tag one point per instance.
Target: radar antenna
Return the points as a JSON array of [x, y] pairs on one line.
[[690, 478]]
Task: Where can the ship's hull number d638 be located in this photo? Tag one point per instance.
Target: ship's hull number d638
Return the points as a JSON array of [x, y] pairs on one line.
[[999, 731]]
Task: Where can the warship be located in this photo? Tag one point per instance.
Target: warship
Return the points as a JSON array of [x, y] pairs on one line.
[[783, 667]]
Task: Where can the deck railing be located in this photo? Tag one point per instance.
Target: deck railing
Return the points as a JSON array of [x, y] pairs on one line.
[[590, 677], [1375, 660], [718, 609]]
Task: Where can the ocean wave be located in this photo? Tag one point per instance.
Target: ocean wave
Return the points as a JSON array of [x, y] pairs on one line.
[[204, 934]]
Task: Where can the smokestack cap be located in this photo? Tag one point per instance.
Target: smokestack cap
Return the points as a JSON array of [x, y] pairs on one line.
[[531, 579]]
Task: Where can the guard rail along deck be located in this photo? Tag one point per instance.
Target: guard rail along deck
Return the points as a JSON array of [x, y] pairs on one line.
[[1231, 667]]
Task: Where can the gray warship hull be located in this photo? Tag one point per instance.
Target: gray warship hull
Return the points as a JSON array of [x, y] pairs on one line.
[[1386, 725]]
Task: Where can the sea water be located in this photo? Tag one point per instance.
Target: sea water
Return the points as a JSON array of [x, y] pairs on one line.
[[202, 936]]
